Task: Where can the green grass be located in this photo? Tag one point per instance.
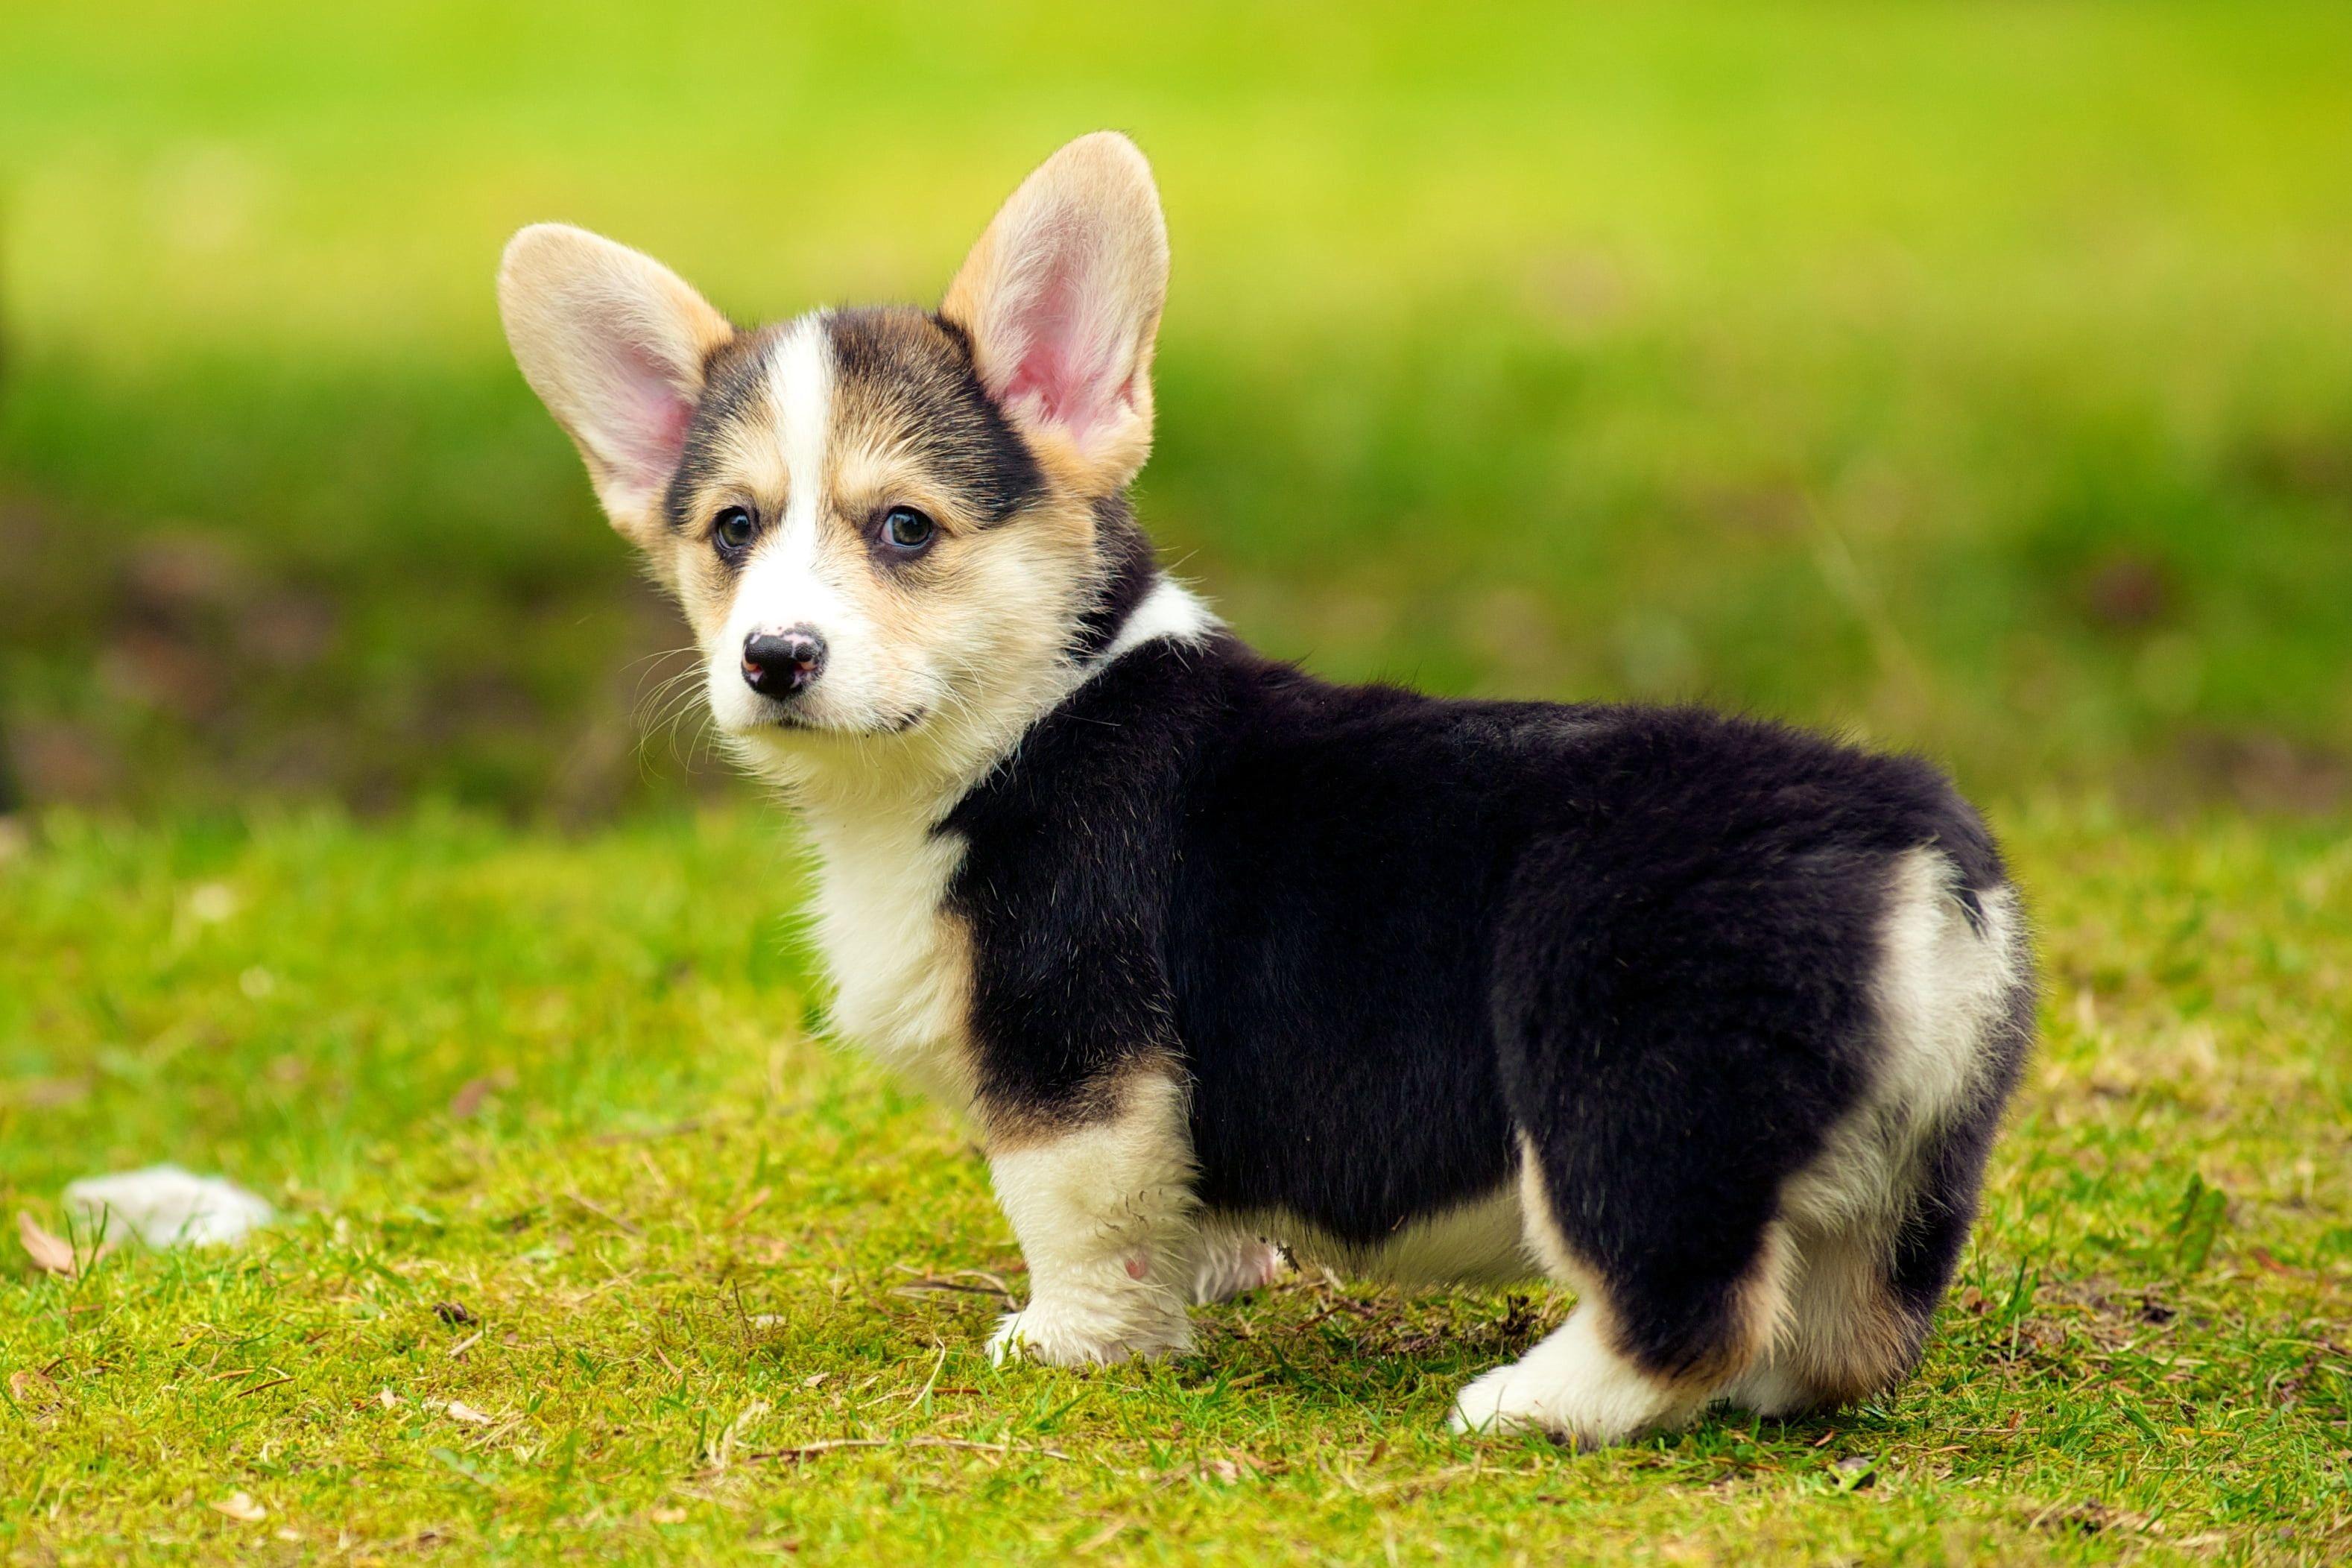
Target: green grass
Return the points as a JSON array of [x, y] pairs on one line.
[[1979, 377], [694, 1240]]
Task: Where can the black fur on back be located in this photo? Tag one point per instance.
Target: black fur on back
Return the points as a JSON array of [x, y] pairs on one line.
[[1384, 932]]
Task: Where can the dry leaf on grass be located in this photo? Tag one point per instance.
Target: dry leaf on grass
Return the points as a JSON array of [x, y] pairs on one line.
[[458, 1410], [240, 1506], [35, 1397], [475, 1092], [50, 1253], [49, 1093], [1101, 1538]]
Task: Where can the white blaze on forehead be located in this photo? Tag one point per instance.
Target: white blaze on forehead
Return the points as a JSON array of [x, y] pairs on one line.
[[781, 586], [800, 388]]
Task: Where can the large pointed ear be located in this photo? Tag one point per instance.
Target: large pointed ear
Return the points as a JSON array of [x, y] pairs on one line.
[[1061, 300], [615, 345]]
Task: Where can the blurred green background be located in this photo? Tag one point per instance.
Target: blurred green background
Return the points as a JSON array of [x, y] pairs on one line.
[[1976, 378]]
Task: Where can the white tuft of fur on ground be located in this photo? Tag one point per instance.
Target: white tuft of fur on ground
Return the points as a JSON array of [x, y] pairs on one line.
[[165, 1206]]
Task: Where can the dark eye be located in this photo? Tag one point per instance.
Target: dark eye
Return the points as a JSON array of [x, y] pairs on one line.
[[733, 528], [907, 527]]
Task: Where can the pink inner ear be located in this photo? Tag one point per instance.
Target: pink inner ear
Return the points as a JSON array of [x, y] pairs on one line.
[[1067, 371], [651, 434]]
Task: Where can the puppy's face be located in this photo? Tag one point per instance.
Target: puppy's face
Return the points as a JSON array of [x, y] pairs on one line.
[[858, 536], [882, 524]]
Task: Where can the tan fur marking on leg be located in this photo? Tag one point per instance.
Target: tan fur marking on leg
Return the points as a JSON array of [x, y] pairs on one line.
[[1759, 1312], [1008, 1129], [1850, 1338], [1760, 1308]]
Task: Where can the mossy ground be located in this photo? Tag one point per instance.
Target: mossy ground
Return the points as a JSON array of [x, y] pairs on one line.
[[719, 1288]]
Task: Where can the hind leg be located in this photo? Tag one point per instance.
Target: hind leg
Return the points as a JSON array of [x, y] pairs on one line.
[[1644, 1350], [1848, 1336], [1675, 1043], [1226, 1261], [1864, 1280]]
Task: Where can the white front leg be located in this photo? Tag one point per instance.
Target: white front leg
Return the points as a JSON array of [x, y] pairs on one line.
[[1104, 1214]]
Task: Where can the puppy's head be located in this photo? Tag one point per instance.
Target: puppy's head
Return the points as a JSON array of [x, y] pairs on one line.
[[889, 529]]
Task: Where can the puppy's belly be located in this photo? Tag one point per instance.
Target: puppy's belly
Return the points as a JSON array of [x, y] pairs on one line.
[[1479, 1242]]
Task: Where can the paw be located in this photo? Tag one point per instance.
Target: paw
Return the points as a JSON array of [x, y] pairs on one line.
[[1504, 1400], [1059, 1337], [1224, 1267], [1575, 1388], [1507, 1400]]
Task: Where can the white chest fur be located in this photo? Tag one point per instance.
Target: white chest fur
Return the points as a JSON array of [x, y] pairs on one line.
[[901, 964]]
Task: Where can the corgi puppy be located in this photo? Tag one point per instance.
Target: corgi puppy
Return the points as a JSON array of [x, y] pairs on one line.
[[1711, 1020]]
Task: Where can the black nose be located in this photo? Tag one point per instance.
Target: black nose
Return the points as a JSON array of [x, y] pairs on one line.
[[777, 664]]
